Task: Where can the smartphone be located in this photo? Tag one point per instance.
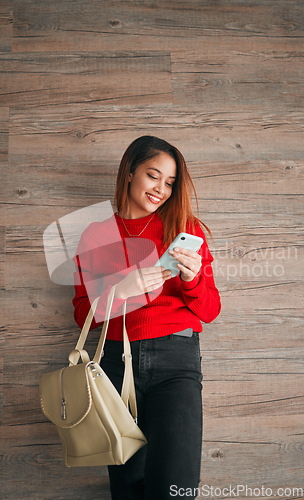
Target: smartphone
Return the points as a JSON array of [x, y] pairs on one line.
[[182, 240]]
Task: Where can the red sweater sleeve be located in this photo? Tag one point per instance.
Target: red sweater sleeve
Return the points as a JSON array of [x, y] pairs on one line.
[[201, 294], [88, 286]]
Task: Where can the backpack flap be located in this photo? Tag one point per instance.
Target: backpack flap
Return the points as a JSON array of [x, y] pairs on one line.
[[65, 395]]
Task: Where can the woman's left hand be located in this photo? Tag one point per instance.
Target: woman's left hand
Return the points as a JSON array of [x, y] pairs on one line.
[[189, 262]]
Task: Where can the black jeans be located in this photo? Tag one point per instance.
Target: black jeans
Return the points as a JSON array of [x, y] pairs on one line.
[[168, 382]]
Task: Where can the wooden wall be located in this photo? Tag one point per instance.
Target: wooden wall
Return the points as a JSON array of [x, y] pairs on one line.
[[223, 81]]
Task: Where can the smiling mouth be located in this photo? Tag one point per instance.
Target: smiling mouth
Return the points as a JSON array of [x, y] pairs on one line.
[[153, 199]]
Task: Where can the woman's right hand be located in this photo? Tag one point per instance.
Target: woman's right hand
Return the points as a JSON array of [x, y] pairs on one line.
[[140, 281]]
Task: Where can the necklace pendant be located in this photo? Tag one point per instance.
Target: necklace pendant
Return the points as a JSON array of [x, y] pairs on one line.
[[140, 231]]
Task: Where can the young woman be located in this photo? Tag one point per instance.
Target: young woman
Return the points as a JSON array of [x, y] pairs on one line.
[[164, 315]]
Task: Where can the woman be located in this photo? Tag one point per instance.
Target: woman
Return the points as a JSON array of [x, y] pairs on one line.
[[164, 315]]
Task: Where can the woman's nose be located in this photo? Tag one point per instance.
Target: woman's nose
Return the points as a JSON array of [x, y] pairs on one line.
[[160, 187]]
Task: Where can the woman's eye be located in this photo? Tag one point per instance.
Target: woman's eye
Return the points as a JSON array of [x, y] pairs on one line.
[[155, 178]]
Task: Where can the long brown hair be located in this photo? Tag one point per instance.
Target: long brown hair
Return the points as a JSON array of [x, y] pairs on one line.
[[177, 210]]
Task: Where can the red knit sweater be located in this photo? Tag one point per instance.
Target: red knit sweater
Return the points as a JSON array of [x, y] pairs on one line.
[[106, 254]]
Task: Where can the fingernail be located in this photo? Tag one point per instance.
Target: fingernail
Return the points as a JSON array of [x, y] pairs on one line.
[[176, 249]]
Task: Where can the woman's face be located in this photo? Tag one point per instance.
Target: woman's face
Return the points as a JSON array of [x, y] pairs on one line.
[[150, 185]]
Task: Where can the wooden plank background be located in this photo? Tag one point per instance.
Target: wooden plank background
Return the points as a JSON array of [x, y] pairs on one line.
[[223, 81]]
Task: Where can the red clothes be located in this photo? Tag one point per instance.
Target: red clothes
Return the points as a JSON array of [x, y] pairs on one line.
[[106, 254]]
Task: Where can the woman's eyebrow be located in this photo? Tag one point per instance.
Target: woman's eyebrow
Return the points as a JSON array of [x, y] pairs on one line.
[[153, 168]]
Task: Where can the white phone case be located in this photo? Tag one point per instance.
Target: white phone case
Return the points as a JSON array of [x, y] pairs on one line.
[[182, 240]]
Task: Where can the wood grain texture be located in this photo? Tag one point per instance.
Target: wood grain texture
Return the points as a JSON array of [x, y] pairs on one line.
[[36, 79], [4, 132], [243, 78], [6, 25], [233, 136], [222, 81], [66, 27], [4, 124], [2, 257]]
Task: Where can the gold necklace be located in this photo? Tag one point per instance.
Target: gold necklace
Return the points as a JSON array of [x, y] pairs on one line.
[[140, 231]]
